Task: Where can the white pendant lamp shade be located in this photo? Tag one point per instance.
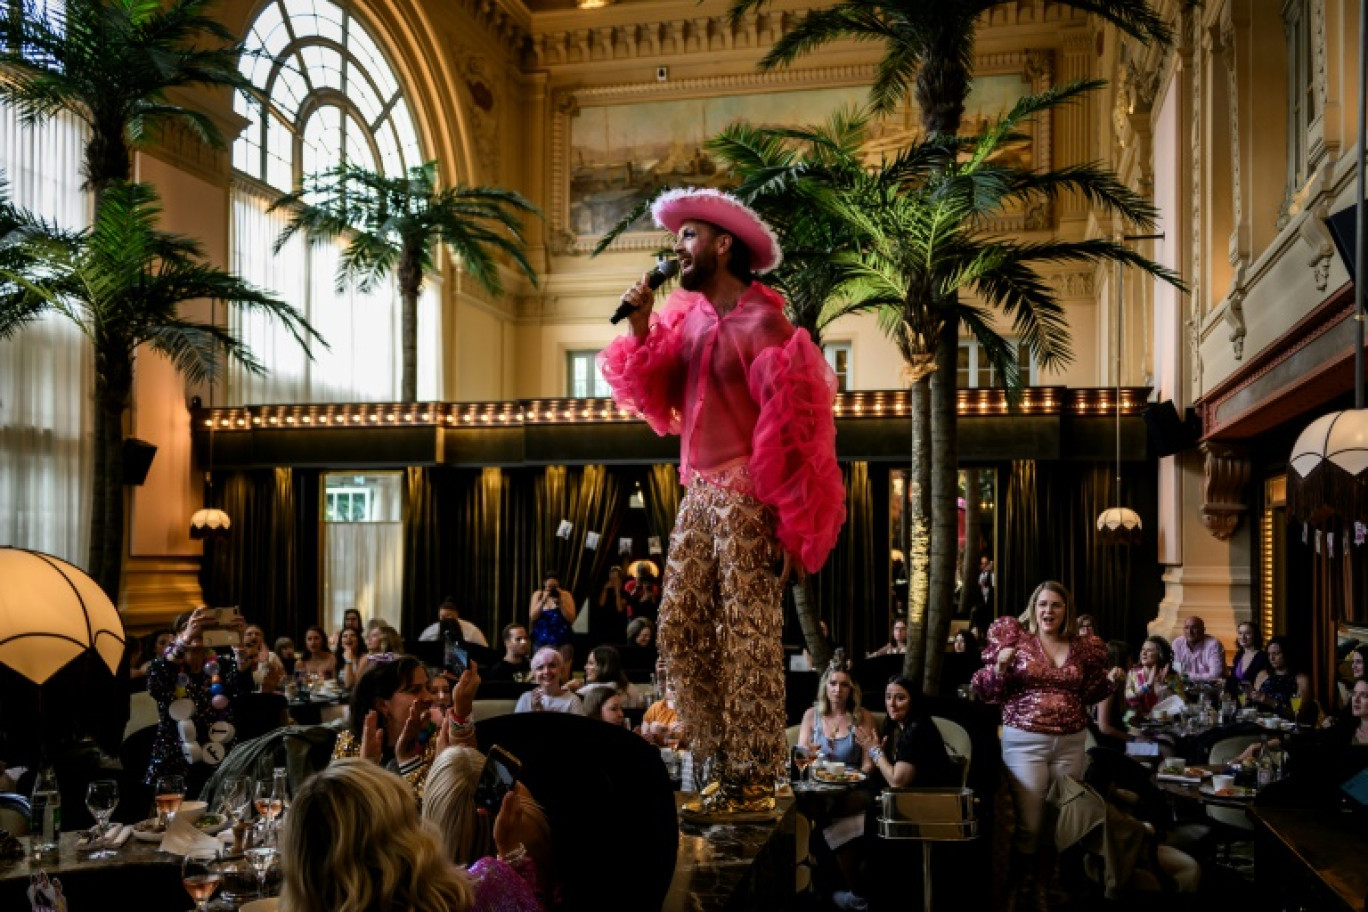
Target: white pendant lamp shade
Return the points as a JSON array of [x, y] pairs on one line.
[[1119, 526], [210, 524], [1329, 465], [1339, 437], [51, 613]]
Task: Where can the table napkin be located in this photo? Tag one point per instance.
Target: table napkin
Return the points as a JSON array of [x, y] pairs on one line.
[[182, 836], [113, 838], [1179, 777]]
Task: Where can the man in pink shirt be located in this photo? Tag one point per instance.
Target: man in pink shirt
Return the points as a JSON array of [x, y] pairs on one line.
[[1198, 656], [751, 399]]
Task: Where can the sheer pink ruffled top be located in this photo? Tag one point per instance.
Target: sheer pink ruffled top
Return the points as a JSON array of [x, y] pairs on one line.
[[746, 389], [1037, 696]]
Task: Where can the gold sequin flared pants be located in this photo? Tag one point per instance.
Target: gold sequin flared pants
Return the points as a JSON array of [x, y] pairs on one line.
[[721, 620]]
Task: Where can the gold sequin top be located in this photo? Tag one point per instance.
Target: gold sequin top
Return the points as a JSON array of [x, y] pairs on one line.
[[415, 771]]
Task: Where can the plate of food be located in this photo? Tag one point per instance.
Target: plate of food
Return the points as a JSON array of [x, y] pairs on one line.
[[849, 775], [212, 824], [149, 830], [1233, 791]]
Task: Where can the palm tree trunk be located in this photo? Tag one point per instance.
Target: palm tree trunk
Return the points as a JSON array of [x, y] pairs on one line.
[[410, 283], [113, 388], [817, 645], [944, 497], [919, 529], [969, 591], [107, 158]]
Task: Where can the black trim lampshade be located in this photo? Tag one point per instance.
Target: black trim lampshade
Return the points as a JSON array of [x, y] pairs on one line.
[[1119, 526], [1329, 464], [210, 524], [51, 613]]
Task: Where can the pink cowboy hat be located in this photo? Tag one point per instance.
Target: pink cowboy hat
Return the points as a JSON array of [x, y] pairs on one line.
[[674, 207]]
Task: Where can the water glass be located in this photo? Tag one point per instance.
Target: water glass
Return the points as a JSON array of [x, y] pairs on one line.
[[102, 797], [261, 858]]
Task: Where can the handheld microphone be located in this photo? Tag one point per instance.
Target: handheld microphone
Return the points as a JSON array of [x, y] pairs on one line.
[[665, 269]]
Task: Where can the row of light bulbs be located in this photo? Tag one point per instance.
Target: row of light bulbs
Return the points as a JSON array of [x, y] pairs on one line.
[[1040, 401]]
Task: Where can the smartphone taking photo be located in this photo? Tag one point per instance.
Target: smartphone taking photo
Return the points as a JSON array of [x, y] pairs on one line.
[[497, 778]]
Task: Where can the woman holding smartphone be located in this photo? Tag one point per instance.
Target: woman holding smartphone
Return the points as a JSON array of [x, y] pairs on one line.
[[551, 613]]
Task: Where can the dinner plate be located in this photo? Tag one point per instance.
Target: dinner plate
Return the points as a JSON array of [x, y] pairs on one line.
[[144, 831], [1235, 791], [847, 776]]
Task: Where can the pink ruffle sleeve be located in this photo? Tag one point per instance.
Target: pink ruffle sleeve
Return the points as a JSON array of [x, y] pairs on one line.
[[990, 686], [793, 456], [648, 377]]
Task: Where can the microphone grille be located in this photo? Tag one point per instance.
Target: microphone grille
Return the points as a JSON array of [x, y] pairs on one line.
[[668, 268]]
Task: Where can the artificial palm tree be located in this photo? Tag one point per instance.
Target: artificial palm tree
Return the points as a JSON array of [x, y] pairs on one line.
[[394, 225], [115, 65], [123, 283], [928, 51], [925, 252]]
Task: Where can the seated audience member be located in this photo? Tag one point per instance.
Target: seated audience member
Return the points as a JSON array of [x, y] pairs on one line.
[[285, 651], [316, 658], [604, 704], [384, 640], [1197, 656], [151, 647], [897, 640], [269, 671], [603, 669], [514, 665], [353, 842], [1250, 659], [641, 633], [1087, 626], [1152, 680], [1109, 716], [1279, 684], [911, 750], [350, 657], [390, 721], [1356, 664], [439, 685], [508, 855], [661, 723], [351, 620], [959, 666], [447, 611], [550, 694], [829, 727]]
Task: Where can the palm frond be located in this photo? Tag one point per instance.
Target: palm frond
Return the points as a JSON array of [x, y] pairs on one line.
[[624, 224]]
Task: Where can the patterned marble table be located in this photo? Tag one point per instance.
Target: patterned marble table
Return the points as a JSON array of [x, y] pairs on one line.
[[735, 867]]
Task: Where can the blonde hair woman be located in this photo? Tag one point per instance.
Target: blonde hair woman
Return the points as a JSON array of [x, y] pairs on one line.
[[353, 842], [829, 726], [508, 856]]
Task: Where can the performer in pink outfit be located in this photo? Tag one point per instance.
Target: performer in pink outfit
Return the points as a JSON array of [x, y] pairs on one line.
[[751, 398]]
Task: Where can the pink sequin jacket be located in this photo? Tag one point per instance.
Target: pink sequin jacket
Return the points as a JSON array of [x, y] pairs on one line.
[[746, 389], [1035, 695]]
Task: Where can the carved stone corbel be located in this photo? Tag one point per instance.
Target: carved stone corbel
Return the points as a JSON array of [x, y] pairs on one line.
[[1225, 475], [1317, 237], [1234, 313]]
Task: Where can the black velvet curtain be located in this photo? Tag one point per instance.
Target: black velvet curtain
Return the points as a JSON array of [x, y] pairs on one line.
[[269, 565], [1051, 533], [591, 498], [849, 589], [662, 492]]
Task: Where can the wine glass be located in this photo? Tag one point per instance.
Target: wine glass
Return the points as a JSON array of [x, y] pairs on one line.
[[261, 858], [1296, 703], [802, 758], [237, 798], [170, 794], [201, 872], [266, 805], [102, 797]]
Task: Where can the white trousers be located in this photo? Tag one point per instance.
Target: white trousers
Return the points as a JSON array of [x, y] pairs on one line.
[[1033, 761]]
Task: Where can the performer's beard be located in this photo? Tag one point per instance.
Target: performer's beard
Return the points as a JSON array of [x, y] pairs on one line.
[[697, 274]]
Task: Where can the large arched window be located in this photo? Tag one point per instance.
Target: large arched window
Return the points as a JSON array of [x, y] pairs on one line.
[[328, 95]]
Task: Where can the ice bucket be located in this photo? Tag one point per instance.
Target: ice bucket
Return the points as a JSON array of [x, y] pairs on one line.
[[934, 814]]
